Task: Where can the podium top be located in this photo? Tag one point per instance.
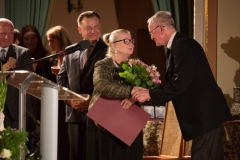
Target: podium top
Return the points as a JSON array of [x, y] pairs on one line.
[[33, 82]]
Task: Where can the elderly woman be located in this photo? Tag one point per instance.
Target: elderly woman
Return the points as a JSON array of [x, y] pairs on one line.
[[101, 144]]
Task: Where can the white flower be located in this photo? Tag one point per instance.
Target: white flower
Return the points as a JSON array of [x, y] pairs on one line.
[[154, 68], [6, 153]]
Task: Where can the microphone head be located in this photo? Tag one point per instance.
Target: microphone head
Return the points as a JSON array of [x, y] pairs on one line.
[[84, 44]]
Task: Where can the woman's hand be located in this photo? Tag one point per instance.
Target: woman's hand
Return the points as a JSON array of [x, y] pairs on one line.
[[127, 102]]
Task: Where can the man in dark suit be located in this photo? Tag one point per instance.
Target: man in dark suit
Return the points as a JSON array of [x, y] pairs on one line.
[[198, 101], [76, 73], [12, 56]]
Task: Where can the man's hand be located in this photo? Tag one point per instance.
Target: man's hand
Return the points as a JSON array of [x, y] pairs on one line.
[[11, 63], [136, 89], [6, 67], [141, 95], [79, 105]]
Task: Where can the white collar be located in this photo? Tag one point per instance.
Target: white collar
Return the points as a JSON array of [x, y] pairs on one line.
[[6, 49], [169, 45]]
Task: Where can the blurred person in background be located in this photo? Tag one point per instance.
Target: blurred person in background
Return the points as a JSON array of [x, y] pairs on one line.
[[13, 56], [31, 39], [58, 40], [17, 36]]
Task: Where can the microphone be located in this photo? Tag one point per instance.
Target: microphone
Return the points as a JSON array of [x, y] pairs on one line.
[[74, 47], [70, 49]]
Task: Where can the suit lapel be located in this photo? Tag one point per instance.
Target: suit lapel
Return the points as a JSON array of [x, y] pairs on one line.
[[170, 60], [75, 60]]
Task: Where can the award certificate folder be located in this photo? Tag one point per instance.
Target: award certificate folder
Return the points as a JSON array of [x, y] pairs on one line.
[[125, 124]]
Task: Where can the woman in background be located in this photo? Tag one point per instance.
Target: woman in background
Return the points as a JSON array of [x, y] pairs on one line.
[[31, 39], [58, 40], [101, 144]]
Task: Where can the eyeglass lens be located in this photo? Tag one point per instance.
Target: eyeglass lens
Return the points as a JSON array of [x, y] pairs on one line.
[[127, 41]]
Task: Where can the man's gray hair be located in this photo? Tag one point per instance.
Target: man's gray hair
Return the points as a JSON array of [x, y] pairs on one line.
[[162, 17]]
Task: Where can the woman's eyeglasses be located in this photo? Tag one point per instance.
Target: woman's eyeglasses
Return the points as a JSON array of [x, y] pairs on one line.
[[126, 41]]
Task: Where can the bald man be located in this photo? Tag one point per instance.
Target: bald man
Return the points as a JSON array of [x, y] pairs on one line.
[[12, 56]]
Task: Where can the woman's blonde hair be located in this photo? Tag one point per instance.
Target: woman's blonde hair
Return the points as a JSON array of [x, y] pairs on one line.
[[110, 38]]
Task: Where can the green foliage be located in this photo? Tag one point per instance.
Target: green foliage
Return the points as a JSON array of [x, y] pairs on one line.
[[14, 141], [3, 90], [137, 73]]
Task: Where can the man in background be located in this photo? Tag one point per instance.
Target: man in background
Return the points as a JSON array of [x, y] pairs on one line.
[[13, 56], [76, 73], [199, 103]]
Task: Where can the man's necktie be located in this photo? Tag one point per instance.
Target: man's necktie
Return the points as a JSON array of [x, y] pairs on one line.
[[167, 64], [3, 55], [167, 57], [85, 56]]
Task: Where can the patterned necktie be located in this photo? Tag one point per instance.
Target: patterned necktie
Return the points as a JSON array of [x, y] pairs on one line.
[[85, 56], [3, 55]]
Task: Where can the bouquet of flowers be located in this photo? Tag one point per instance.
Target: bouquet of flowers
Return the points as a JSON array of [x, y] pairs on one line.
[[137, 73]]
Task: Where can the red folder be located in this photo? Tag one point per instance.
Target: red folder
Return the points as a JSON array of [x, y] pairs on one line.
[[125, 124]]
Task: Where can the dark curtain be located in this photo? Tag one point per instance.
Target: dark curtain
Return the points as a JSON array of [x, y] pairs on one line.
[[182, 13], [30, 12]]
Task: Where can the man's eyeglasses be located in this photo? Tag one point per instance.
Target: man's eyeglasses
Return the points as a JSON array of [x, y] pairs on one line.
[[151, 32], [126, 41]]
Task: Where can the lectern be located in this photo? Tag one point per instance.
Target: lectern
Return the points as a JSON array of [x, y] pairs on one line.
[[49, 93]]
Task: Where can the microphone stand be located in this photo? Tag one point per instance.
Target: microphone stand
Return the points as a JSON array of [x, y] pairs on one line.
[[78, 46], [38, 60]]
